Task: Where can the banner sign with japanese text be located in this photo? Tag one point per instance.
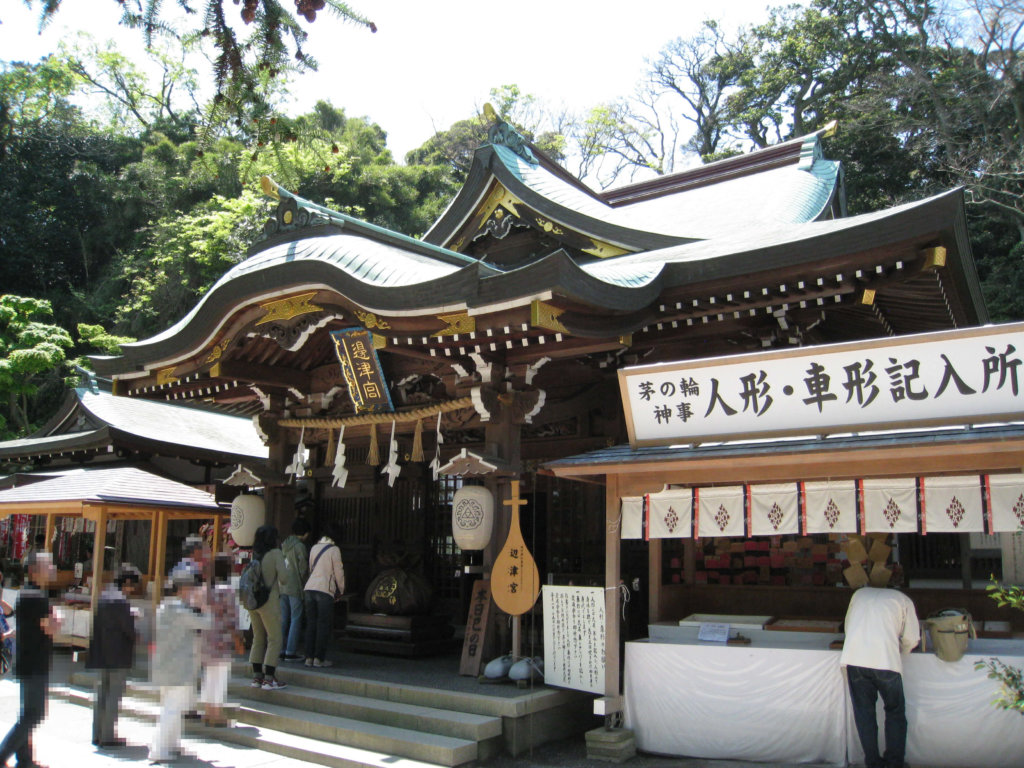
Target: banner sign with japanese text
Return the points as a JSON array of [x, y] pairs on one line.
[[574, 637], [361, 370], [953, 377]]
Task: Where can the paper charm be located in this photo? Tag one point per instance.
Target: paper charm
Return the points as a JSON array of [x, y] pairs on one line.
[[391, 469], [339, 476], [435, 463], [298, 465]]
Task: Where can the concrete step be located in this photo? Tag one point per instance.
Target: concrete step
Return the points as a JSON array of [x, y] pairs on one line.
[[141, 703], [376, 737], [333, 681], [266, 739], [460, 725]]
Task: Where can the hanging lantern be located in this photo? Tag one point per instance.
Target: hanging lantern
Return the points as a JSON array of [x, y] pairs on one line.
[[248, 513], [472, 516]]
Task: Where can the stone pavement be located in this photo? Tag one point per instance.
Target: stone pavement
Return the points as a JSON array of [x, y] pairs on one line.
[[64, 741]]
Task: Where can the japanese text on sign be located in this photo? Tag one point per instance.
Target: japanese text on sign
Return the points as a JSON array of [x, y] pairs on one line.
[[956, 377], [574, 637], [361, 370]]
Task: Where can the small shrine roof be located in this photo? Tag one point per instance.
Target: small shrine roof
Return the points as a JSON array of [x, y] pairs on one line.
[[181, 430], [115, 485]]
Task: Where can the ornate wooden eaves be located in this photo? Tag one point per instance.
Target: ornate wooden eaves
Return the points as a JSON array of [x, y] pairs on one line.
[[501, 209], [287, 308]]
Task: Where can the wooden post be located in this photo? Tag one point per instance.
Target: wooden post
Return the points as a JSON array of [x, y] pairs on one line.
[[217, 535], [51, 523], [151, 561], [654, 580], [99, 541], [161, 555], [612, 577]]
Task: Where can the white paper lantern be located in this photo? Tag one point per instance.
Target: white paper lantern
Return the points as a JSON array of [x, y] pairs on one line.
[[248, 512], [472, 516]]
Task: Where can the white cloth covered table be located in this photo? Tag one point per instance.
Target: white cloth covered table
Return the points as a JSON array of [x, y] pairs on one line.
[[737, 702], [784, 699]]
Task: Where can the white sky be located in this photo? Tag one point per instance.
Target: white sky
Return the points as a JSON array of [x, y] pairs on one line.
[[433, 63]]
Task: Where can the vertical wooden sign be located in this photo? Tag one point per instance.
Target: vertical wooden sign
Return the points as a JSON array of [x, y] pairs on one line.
[[477, 625]]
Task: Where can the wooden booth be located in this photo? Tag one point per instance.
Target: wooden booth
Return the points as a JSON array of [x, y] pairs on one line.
[[106, 497], [764, 485]]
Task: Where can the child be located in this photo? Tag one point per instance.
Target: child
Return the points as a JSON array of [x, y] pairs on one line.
[[220, 639]]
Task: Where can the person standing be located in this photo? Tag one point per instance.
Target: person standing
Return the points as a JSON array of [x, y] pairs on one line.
[[111, 653], [36, 628], [266, 620], [325, 585], [175, 662], [881, 626], [296, 559], [220, 640]]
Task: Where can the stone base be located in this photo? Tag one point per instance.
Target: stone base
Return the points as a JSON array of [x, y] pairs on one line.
[[616, 746]]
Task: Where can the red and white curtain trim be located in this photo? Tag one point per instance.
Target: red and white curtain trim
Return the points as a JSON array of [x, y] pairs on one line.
[[943, 504]]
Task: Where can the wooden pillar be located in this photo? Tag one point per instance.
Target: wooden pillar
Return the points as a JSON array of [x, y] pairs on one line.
[[51, 523], [151, 560], [99, 541], [217, 535], [612, 577], [654, 580], [161, 555]]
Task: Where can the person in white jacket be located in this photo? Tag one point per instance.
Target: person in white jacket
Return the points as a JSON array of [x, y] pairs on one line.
[[881, 627], [325, 585]]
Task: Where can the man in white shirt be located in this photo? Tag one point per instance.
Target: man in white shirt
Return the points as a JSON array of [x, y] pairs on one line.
[[881, 625]]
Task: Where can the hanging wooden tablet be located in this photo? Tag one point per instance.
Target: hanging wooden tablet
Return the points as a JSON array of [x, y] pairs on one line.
[[515, 581]]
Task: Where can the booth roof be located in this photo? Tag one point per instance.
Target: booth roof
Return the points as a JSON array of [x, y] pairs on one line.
[[117, 485], [625, 454]]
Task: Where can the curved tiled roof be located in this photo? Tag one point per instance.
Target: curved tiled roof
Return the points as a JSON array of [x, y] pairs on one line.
[[232, 436]]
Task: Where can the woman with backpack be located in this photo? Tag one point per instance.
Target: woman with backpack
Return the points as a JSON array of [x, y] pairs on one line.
[[325, 585], [266, 618]]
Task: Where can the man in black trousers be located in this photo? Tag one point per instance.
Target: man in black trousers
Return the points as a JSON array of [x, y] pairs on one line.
[[111, 653], [36, 628]]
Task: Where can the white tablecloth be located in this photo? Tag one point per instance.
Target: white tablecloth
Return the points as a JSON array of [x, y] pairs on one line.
[[789, 703]]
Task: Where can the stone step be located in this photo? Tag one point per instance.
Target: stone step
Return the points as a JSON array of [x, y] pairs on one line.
[[141, 703], [312, 750], [333, 681], [376, 737], [461, 725], [266, 739]]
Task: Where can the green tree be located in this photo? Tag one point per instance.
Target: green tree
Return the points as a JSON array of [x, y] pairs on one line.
[[1010, 678], [59, 220], [247, 67], [454, 147], [184, 255], [33, 351]]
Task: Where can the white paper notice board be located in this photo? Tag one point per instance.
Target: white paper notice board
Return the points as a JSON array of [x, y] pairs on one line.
[[574, 637]]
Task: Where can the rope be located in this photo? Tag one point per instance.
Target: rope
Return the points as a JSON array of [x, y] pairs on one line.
[[378, 418]]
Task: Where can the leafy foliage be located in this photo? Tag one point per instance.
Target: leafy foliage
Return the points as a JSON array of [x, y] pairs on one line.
[[32, 350], [1011, 678], [185, 254], [247, 68]]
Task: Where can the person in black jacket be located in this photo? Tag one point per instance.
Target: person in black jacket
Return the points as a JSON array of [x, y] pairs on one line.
[[36, 628], [111, 652]]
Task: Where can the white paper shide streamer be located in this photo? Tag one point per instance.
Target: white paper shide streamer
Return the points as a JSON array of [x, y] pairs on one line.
[[435, 463], [298, 465], [391, 469], [339, 475]]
